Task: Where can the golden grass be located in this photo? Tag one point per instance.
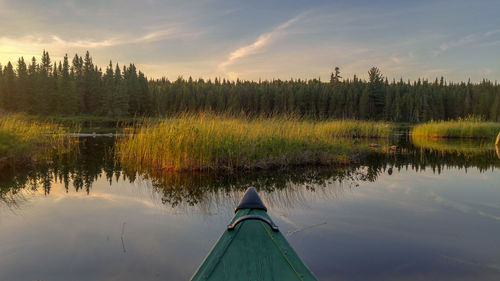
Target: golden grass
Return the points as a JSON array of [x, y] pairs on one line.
[[205, 142], [457, 129], [457, 146], [22, 140]]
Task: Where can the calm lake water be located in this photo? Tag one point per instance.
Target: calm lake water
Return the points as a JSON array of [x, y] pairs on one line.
[[427, 211]]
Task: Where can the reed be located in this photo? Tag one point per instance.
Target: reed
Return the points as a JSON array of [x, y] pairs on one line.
[[23, 141], [469, 147], [204, 142], [462, 128]]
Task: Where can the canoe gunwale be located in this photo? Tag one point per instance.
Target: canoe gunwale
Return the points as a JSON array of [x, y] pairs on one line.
[[252, 217]]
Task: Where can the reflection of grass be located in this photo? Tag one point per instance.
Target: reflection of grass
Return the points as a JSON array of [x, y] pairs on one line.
[[207, 142], [460, 146], [23, 141], [457, 129]]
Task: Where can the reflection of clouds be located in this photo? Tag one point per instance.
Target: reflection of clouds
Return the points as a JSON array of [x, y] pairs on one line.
[[297, 230], [401, 190], [460, 206], [419, 191], [120, 193], [398, 186], [284, 218]]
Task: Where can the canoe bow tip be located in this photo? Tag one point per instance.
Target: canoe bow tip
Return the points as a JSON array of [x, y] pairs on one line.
[[251, 200]]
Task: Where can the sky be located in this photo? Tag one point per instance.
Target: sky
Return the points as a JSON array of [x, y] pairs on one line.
[[256, 39]]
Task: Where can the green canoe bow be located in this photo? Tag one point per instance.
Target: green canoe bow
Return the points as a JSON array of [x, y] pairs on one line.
[[253, 250]]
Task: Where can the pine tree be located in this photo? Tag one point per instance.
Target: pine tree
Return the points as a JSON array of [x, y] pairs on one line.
[[376, 93], [78, 75], [46, 90], [495, 107], [9, 95], [335, 76], [145, 96], [22, 85], [133, 89], [33, 98], [109, 91], [364, 105], [120, 102], [89, 85], [67, 98]]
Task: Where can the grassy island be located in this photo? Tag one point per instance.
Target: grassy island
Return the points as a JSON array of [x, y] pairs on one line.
[[462, 128], [213, 143]]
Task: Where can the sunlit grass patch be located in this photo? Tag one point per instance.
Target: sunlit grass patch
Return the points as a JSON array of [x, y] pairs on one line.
[[24, 141], [465, 128], [204, 142], [458, 146]]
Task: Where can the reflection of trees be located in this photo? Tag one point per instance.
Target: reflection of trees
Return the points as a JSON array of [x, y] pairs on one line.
[[191, 188], [439, 154], [96, 159], [78, 170]]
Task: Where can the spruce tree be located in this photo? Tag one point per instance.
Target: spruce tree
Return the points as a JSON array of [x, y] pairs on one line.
[[376, 93], [364, 105], [9, 95], [120, 102], [22, 83], [67, 90], [109, 91]]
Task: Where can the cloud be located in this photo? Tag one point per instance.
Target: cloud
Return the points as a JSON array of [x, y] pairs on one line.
[[201, 38], [148, 37], [493, 32], [396, 59], [156, 35], [466, 40], [261, 41], [83, 43], [114, 41], [31, 45]]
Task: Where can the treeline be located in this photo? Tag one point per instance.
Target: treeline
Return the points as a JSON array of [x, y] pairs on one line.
[[83, 88], [80, 88]]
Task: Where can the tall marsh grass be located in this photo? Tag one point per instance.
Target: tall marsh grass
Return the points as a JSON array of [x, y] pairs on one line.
[[212, 143], [465, 128], [24, 141]]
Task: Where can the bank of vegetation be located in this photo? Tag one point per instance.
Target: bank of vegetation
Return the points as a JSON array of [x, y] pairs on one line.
[[461, 128], [205, 142], [23, 142], [76, 86]]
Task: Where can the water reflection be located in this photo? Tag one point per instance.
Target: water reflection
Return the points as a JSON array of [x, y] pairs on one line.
[[415, 211], [96, 160]]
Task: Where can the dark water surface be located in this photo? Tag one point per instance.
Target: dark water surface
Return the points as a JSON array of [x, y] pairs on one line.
[[428, 211]]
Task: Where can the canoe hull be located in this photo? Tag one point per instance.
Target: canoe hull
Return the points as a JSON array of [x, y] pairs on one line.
[[252, 251]]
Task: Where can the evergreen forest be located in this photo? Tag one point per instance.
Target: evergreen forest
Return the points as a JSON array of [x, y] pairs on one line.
[[79, 87]]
